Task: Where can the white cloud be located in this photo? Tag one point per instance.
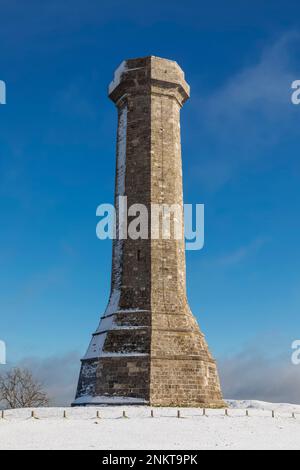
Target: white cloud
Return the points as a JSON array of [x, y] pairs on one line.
[[241, 253], [58, 374], [264, 86], [254, 374], [242, 121]]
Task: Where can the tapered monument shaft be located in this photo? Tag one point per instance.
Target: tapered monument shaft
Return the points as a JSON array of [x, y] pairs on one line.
[[148, 347]]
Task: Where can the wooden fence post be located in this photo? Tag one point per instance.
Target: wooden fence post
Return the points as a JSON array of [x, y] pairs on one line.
[[33, 415]]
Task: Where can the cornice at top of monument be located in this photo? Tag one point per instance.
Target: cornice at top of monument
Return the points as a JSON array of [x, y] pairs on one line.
[[138, 75]]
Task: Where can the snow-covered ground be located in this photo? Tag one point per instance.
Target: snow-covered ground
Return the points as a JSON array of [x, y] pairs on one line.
[[82, 430]]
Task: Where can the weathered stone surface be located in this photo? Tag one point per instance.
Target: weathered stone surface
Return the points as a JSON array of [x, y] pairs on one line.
[[148, 345]]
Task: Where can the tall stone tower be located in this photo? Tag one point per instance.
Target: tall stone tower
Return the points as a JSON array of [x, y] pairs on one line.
[[148, 348]]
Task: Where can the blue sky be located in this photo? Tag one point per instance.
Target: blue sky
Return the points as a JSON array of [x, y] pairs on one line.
[[240, 137]]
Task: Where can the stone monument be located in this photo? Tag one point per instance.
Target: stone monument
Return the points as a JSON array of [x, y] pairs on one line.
[[148, 348]]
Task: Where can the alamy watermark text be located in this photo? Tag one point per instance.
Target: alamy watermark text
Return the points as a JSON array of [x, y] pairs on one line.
[[158, 222], [2, 352], [296, 353], [2, 92]]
